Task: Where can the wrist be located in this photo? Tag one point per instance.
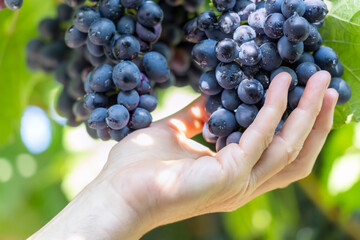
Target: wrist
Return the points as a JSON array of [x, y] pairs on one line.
[[98, 212]]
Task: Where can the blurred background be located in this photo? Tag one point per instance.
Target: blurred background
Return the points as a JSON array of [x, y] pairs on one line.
[[44, 164]]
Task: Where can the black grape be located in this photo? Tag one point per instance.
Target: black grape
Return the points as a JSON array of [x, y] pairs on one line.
[[273, 6], [273, 26], [250, 91], [119, 135], [289, 7], [80, 111], [149, 14], [314, 46], [213, 103], [101, 31], [244, 34], [305, 57], [315, 10], [228, 75], [233, 138], [64, 12], [129, 99], [111, 9], [264, 78], [216, 34], [296, 29], [257, 20], [204, 53], [126, 25], [271, 59], [230, 99], [208, 83], [74, 38], [84, 17], [95, 100], [140, 118], [127, 47], [93, 49], [294, 96], [126, 75], [290, 51], [103, 134], [222, 122], [155, 67], [192, 32], [97, 118], [326, 58], [246, 114], [224, 5], [206, 20], [338, 71], [244, 8], [342, 88], [226, 50], [148, 34], [228, 22], [117, 117], [249, 53], [294, 79], [208, 136], [101, 78], [14, 4], [134, 4], [148, 102], [305, 70], [313, 36], [49, 28]]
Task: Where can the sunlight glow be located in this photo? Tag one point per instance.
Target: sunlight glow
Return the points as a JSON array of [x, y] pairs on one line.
[[344, 173], [6, 170], [26, 165], [261, 219], [143, 140], [196, 112], [35, 129], [180, 126]]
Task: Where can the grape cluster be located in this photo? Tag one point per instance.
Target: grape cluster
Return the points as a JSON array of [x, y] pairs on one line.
[[104, 63], [11, 4], [245, 46]]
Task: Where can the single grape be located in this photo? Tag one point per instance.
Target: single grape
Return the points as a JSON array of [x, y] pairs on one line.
[[233, 138], [343, 88], [213, 103], [126, 75], [246, 114], [257, 20], [208, 84], [192, 32], [208, 136], [95, 100], [305, 57], [129, 99], [101, 78], [97, 118], [216, 34], [250, 91], [289, 7], [101, 31], [111, 9], [326, 58], [84, 17], [149, 14], [103, 134], [294, 79], [244, 8], [119, 135], [273, 26], [249, 53], [313, 36], [271, 59], [148, 34], [204, 53], [148, 102], [95, 50], [126, 25], [117, 117], [296, 29], [244, 34], [222, 122], [314, 46], [127, 47], [132, 4], [295, 96], [229, 75], [14, 4], [224, 5], [51, 55], [264, 78], [228, 22], [144, 86], [289, 51], [305, 70], [206, 20], [230, 99], [338, 71], [140, 118], [273, 6], [315, 10], [64, 12], [226, 50], [156, 67]]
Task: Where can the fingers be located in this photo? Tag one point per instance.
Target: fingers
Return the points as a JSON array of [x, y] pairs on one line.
[[304, 163], [256, 138], [189, 121]]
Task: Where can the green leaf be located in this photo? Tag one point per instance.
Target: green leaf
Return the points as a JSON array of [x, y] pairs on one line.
[[341, 31]]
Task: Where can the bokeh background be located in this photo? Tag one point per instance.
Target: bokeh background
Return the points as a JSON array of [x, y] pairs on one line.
[[44, 163]]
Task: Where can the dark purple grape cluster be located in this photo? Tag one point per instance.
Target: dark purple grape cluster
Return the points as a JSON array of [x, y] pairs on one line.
[[11, 4], [245, 46], [105, 63]]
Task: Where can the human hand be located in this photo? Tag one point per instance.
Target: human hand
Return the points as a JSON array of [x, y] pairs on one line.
[[158, 175]]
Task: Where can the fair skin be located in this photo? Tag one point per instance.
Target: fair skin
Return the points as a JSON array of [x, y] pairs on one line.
[[158, 175]]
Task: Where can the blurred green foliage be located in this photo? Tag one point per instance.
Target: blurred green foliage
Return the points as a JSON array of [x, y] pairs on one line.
[[315, 208]]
